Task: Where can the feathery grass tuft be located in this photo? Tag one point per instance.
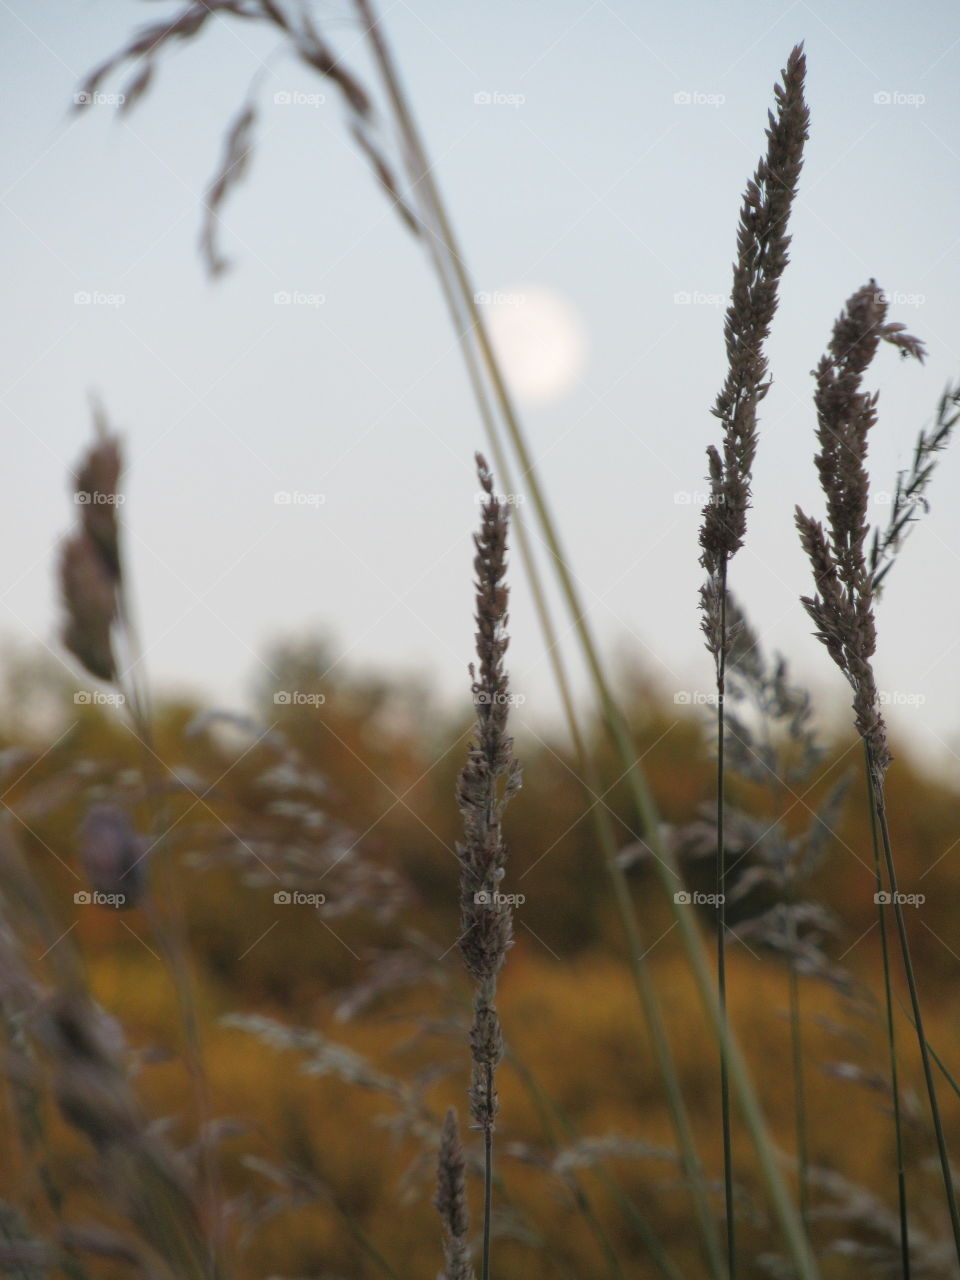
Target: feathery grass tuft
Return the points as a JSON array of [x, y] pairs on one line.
[[489, 779], [451, 1201]]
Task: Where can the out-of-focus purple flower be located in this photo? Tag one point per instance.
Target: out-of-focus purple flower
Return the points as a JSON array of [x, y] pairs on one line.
[[113, 857]]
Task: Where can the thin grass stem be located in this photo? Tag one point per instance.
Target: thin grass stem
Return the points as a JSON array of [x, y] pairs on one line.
[[721, 882], [891, 1034], [877, 800]]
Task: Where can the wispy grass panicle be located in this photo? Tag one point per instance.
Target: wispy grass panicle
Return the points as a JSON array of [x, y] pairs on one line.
[[89, 597], [451, 1201], [491, 775], [843, 612], [144, 51], [909, 497], [842, 608], [762, 245], [762, 256], [91, 578], [489, 778]]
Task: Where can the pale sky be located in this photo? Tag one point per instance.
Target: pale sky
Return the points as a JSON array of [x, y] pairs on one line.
[[593, 155]]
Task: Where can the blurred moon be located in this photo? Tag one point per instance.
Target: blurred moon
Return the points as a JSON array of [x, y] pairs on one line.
[[540, 340]]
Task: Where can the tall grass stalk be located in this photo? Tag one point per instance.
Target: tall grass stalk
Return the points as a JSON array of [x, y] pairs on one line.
[[799, 1087], [421, 176], [909, 496], [762, 244], [488, 781], [100, 632], [879, 805], [842, 608]]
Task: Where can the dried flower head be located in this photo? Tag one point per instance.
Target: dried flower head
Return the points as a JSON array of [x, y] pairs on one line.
[[488, 780], [96, 493], [451, 1201], [909, 497], [762, 244], [89, 597], [144, 51], [90, 573], [842, 608]]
